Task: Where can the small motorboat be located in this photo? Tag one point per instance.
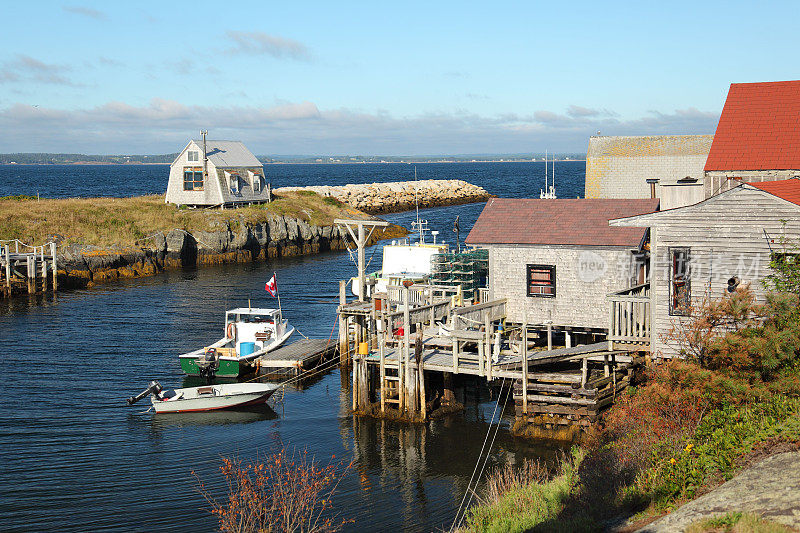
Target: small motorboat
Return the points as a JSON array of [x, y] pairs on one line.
[[249, 334], [207, 398]]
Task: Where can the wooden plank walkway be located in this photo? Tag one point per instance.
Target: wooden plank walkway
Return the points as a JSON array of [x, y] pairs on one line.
[[299, 355]]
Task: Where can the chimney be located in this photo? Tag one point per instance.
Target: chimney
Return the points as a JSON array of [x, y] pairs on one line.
[[652, 182]]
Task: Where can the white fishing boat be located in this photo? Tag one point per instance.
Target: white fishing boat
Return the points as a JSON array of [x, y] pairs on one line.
[[207, 398], [249, 333]]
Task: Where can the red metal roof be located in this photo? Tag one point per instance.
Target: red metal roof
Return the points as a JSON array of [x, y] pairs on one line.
[[759, 128], [787, 189], [569, 221]]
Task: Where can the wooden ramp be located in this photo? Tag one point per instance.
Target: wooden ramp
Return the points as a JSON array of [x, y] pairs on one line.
[[297, 356]]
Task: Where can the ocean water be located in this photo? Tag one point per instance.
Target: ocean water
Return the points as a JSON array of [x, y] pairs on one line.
[[76, 458]]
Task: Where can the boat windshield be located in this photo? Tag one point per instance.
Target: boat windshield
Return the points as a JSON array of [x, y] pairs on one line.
[[261, 319]]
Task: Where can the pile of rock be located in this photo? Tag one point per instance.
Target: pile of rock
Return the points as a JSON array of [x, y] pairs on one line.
[[376, 198]]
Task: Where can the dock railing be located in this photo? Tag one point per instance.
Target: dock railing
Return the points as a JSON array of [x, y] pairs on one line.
[[476, 315], [422, 294], [630, 319], [15, 254]]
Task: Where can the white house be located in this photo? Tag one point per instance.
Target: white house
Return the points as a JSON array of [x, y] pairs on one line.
[[229, 174]]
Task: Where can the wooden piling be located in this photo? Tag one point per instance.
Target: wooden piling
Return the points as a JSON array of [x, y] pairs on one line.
[[8, 267], [54, 266], [524, 352], [343, 333], [549, 336], [31, 274]]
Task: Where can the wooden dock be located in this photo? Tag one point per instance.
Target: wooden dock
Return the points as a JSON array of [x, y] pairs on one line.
[[297, 357], [33, 266], [401, 351]]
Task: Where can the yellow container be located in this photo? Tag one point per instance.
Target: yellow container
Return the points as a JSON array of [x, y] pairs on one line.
[[363, 348]]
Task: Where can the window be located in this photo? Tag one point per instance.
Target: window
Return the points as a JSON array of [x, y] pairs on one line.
[[193, 156], [234, 183], [680, 298], [541, 281], [193, 179], [256, 181]]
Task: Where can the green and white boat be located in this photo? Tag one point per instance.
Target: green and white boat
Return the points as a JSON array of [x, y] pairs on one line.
[[249, 334]]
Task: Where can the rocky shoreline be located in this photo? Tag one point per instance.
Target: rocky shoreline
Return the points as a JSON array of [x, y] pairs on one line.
[[391, 197], [83, 266]]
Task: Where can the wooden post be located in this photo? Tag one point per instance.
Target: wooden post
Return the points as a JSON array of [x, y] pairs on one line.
[[487, 352], [611, 325], [355, 383], [449, 395], [54, 266], [409, 378], [567, 338], [605, 365], [524, 352], [422, 403], [456, 347], [343, 333], [549, 336], [382, 355], [44, 271], [8, 267], [31, 274], [363, 400], [584, 371]]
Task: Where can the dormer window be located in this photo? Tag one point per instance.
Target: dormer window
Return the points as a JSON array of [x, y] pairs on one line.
[[256, 180], [193, 156], [234, 183]]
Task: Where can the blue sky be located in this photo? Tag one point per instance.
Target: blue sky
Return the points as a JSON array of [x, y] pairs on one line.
[[370, 78]]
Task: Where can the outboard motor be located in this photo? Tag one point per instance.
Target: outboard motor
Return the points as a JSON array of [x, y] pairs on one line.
[[154, 388], [208, 364]]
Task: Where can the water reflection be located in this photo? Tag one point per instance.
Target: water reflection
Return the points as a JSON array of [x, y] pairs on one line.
[[226, 417]]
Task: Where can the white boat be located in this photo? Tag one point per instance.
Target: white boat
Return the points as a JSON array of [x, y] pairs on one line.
[[249, 333], [404, 261], [207, 398]]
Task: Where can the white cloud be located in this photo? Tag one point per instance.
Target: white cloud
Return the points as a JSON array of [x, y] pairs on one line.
[[85, 12], [163, 126], [260, 43], [29, 69]]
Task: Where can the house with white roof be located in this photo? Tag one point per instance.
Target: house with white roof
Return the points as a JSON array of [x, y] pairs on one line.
[[216, 173]]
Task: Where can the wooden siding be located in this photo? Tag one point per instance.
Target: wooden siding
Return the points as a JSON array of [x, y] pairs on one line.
[[726, 237], [585, 275]]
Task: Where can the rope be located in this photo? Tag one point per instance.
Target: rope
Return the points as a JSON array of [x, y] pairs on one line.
[[456, 521]]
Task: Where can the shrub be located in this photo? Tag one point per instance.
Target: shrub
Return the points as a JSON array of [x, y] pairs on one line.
[[288, 492]]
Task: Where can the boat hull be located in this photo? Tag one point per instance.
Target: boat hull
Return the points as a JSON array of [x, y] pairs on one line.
[[224, 397], [228, 367]]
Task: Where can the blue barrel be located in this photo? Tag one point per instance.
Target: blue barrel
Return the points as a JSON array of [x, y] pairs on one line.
[[246, 348]]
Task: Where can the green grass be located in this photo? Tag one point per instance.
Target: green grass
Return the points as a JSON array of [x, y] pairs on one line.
[[526, 506]]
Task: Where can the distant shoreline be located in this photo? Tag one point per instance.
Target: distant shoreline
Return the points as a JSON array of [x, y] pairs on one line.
[[89, 163]]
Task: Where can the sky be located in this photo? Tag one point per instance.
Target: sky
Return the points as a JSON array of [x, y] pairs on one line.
[[377, 78]]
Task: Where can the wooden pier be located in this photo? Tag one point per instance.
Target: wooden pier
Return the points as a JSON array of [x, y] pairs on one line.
[[296, 357], [409, 345], [34, 267]]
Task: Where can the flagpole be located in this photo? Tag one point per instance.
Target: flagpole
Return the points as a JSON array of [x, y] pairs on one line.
[[277, 292]]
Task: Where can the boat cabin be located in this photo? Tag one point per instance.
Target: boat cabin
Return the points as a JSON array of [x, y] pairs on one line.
[[251, 329]]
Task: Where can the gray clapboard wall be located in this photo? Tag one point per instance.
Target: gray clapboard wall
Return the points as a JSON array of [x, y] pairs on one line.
[[731, 234]]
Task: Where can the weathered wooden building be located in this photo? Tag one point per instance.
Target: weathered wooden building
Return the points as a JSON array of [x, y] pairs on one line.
[[554, 261], [702, 250], [757, 138], [225, 173]]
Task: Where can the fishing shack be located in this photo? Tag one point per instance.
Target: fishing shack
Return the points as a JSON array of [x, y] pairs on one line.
[[554, 261]]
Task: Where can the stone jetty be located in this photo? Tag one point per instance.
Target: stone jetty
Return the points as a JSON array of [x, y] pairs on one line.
[[379, 198]]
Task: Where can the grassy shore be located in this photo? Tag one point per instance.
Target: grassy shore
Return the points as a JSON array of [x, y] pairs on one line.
[[122, 222]]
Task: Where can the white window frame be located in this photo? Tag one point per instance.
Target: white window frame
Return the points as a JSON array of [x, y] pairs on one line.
[[194, 153]]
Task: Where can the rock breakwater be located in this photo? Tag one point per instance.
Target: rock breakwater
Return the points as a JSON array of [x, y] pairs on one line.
[[378, 198]]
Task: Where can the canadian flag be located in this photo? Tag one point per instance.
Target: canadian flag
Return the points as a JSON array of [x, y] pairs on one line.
[[271, 286]]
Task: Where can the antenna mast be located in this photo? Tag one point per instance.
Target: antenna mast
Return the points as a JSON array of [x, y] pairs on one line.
[[205, 154]]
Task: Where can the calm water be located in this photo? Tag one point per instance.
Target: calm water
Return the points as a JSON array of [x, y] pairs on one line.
[[75, 458]]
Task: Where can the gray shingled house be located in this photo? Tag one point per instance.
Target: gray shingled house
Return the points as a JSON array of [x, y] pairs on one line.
[[702, 250], [555, 261], [229, 174]]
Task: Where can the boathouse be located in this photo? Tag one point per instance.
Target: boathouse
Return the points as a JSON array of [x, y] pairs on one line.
[[757, 138], [224, 173], [703, 250], [554, 261], [669, 167]]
